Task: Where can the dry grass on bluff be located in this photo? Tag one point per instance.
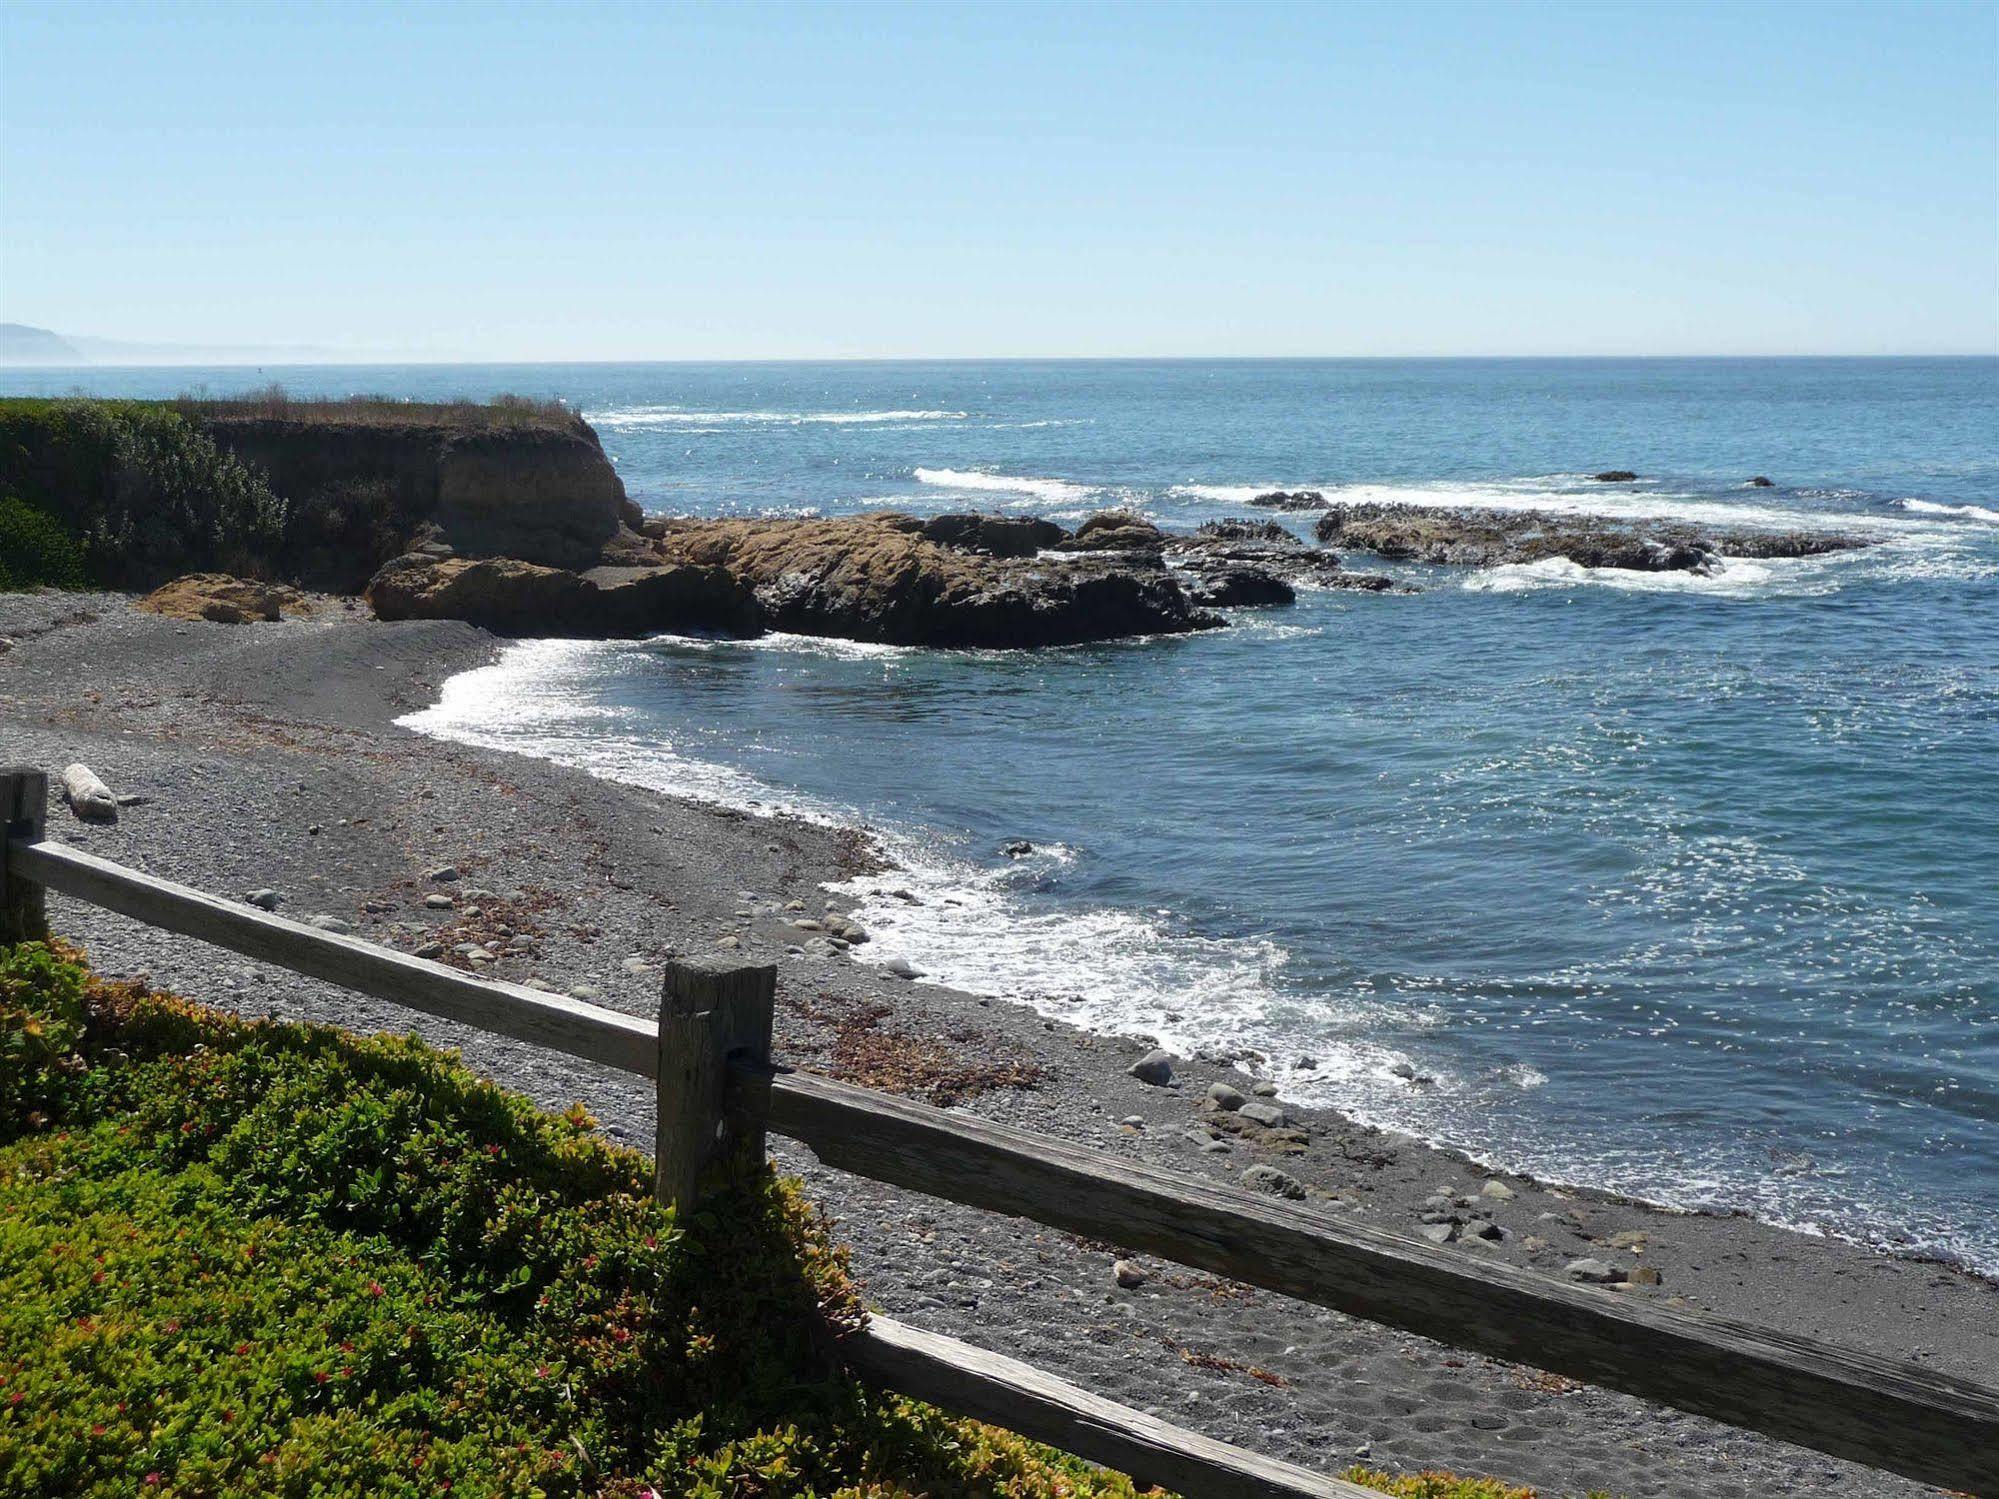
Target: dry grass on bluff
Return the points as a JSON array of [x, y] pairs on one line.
[[275, 403]]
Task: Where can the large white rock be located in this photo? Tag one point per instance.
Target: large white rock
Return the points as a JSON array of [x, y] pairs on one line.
[[88, 797]]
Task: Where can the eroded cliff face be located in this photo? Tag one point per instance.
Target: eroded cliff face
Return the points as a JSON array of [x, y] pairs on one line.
[[359, 493]]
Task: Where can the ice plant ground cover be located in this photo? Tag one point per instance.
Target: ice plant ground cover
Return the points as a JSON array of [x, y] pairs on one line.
[[239, 1257]]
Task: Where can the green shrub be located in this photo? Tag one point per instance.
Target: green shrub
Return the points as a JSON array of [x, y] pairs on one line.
[[147, 491], [41, 1027], [242, 1258], [35, 550]]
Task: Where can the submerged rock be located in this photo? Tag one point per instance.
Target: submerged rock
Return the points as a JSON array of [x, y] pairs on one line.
[[1614, 476], [1490, 538], [1293, 499]]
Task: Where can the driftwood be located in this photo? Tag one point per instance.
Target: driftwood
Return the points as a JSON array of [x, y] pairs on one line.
[[88, 797]]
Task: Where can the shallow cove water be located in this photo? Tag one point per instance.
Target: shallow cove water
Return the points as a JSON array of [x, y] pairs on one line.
[[1678, 885]]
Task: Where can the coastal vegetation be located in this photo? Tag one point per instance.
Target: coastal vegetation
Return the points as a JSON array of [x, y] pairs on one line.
[[246, 1258], [144, 492], [241, 1257], [36, 549]]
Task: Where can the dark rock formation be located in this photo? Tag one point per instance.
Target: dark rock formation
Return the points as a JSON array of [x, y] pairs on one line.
[[869, 578], [1490, 538], [512, 597], [1762, 481], [1215, 555], [1237, 585], [1114, 531], [1614, 476], [1294, 499]]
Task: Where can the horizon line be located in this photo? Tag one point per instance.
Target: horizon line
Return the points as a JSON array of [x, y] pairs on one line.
[[377, 361]]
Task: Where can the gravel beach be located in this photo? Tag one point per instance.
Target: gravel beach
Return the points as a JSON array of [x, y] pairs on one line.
[[266, 757]]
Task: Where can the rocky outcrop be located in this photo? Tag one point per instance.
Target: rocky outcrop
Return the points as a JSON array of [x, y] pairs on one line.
[[1113, 531], [219, 598], [1614, 476], [360, 491], [511, 597], [1291, 499], [954, 580], [1491, 538], [870, 578], [1219, 554], [988, 535]]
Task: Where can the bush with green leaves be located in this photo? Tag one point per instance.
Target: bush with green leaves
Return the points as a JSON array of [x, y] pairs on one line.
[[147, 493], [242, 1258], [36, 549]]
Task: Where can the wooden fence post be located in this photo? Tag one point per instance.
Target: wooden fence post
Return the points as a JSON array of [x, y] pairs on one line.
[[710, 1010], [24, 812]]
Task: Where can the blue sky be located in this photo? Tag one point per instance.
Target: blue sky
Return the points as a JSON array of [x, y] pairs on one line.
[[609, 181]]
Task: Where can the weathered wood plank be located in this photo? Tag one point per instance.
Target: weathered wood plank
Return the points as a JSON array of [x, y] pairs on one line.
[[552, 1020], [990, 1387], [1849, 1404], [710, 1010], [24, 813]]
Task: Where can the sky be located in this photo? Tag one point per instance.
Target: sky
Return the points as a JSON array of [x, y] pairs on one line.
[[583, 180]]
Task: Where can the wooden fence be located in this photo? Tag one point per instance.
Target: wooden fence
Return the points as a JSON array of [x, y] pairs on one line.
[[719, 1090]]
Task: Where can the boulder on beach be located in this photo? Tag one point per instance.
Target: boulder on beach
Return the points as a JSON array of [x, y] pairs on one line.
[[520, 598], [220, 598]]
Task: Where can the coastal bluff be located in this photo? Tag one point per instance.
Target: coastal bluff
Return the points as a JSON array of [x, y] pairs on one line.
[[532, 484], [317, 493]]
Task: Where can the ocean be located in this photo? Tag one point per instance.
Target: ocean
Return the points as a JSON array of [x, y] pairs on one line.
[[1681, 886]]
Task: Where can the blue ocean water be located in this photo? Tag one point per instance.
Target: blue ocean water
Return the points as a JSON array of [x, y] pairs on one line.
[[1682, 886]]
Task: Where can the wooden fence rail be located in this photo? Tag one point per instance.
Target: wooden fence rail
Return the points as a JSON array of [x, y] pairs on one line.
[[719, 1092]]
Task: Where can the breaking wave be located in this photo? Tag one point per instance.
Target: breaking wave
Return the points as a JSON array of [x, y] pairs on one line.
[[1969, 512]]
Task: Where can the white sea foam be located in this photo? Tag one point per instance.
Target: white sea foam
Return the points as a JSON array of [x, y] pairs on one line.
[[1969, 512], [671, 417], [1737, 576], [1235, 494], [1060, 491]]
